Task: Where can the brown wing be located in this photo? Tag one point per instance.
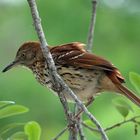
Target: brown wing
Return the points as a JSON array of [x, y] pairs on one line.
[[74, 54]]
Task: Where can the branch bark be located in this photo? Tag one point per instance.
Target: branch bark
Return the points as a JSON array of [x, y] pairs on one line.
[[58, 83], [90, 38], [133, 119], [79, 124], [49, 60]]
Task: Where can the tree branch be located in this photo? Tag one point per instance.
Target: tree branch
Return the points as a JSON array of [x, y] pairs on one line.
[[58, 83], [73, 127], [89, 127], [79, 124], [81, 132], [79, 120], [49, 60], [133, 119], [60, 133], [92, 26]]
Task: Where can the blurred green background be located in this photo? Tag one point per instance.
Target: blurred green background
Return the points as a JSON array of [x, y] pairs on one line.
[[117, 38]]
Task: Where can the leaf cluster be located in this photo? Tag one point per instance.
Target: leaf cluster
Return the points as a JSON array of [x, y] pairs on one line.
[[17, 131]]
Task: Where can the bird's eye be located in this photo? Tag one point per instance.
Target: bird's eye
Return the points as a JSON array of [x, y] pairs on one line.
[[23, 54]]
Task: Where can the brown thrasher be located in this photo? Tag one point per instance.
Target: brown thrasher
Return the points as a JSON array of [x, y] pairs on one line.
[[85, 73]]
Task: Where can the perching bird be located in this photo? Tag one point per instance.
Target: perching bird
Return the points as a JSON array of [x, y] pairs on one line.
[[85, 73]]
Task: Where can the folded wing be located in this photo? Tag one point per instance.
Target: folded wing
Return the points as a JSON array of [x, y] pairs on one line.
[[74, 54]]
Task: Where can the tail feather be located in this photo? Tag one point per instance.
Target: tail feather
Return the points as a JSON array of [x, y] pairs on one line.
[[125, 91]]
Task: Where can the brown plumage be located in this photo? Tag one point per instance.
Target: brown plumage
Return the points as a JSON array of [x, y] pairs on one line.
[[85, 73]]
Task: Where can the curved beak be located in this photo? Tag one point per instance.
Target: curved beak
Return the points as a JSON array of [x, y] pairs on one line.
[[11, 65]]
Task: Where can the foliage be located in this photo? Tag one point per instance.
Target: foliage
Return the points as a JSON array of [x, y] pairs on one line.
[[122, 107], [135, 80], [31, 129]]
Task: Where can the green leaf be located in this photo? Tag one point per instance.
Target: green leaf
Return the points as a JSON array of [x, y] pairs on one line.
[[18, 136], [121, 102], [122, 110], [135, 80], [5, 103], [33, 130], [12, 110], [122, 106], [9, 127]]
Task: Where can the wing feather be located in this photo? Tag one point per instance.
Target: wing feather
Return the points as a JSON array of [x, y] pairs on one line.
[[74, 54]]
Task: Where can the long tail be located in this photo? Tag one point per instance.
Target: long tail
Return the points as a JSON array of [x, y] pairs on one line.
[[129, 94]]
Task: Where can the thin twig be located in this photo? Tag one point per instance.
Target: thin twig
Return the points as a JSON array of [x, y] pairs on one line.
[[80, 111], [74, 133], [79, 124], [58, 83], [81, 132], [133, 119], [89, 127], [77, 116], [60, 133], [92, 26]]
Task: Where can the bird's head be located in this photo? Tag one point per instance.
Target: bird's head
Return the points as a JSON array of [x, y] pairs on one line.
[[27, 54]]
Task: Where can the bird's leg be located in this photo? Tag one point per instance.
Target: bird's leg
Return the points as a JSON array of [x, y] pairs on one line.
[[90, 100]]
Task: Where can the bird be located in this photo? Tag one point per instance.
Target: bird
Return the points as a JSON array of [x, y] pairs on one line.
[[85, 73]]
